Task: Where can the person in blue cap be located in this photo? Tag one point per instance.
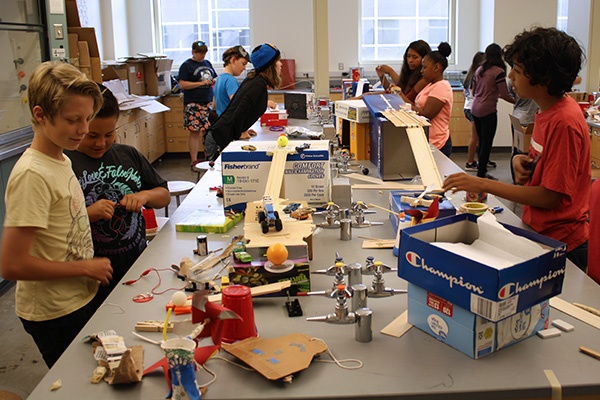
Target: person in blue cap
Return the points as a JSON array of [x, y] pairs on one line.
[[248, 103]]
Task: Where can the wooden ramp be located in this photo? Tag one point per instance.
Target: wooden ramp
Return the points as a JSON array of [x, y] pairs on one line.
[[430, 174], [275, 178]]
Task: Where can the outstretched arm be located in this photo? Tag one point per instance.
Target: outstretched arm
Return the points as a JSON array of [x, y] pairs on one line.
[[17, 263], [535, 196]]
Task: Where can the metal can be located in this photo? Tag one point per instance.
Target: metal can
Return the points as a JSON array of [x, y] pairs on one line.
[[202, 245]]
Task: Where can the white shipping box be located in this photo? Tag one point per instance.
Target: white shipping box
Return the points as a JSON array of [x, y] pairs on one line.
[[352, 110], [245, 173]]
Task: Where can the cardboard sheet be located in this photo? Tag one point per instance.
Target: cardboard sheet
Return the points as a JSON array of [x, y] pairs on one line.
[[279, 357]]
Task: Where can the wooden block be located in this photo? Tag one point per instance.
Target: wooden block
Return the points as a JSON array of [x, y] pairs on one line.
[[398, 327]]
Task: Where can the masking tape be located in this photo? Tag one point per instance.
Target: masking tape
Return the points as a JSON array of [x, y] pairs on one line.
[[554, 383], [473, 208]]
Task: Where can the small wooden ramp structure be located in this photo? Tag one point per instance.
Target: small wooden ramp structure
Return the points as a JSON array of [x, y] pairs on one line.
[[430, 174], [294, 232]]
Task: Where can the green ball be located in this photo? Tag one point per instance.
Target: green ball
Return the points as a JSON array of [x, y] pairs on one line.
[[282, 141]]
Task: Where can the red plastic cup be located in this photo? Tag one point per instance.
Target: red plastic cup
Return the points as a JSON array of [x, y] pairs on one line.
[[149, 218], [238, 298]]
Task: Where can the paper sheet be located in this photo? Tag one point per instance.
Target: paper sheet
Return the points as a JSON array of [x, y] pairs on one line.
[[496, 247]]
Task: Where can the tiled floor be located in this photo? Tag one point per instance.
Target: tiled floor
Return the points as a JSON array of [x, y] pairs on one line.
[[21, 365]]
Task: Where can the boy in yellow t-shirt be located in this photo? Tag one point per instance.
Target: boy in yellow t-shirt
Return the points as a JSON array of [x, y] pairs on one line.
[[47, 244]]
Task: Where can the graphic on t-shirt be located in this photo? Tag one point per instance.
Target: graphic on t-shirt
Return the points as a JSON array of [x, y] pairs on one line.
[[203, 73], [79, 240], [123, 232]]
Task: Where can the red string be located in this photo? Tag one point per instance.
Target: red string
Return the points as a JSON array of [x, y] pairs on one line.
[[146, 272]]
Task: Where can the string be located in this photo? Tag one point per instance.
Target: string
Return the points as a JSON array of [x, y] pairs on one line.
[[153, 291]]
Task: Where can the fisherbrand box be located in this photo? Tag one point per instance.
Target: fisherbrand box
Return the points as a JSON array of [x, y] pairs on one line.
[[484, 290], [245, 172]]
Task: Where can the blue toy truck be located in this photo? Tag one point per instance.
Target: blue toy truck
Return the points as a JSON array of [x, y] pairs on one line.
[[268, 217]]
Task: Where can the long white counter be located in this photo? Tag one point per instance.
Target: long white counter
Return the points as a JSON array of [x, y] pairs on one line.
[[414, 366]]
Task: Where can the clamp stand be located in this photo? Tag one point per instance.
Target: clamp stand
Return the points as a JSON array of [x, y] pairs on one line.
[[342, 314], [378, 288]]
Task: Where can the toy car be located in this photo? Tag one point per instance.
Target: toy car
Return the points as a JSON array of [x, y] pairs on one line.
[[268, 217], [242, 256]]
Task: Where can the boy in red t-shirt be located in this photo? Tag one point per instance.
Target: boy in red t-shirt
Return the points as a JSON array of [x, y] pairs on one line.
[[553, 180]]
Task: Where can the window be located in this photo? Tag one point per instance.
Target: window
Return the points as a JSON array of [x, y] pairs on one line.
[[221, 24], [563, 15], [389, 26]]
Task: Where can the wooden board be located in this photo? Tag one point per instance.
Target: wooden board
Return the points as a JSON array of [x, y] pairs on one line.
[[576, 312], [430, 175], [275, 178], [428, 169]]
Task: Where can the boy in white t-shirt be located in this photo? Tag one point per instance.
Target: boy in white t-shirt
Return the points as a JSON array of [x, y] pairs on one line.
[[47, 245]]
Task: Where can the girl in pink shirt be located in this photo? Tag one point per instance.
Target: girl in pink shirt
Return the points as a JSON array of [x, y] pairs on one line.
[[435, 100]]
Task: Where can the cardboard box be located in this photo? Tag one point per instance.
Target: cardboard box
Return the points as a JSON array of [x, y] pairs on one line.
[[136, 76], [89, 57], [467, 332], [83, 50], [521, 135], [360, 140], [245, 172], [157, 76], [391, 151], [274, 118], [352, 110], [116, 70], [395, 204], [299, 104], [73, 38], [255, 274], [484, 290]]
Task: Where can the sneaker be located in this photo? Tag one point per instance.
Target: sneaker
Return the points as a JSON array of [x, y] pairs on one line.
[[491, 177], [471, 166], [491, 164]]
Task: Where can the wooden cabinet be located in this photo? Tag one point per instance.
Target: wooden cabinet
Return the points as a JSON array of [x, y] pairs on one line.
[[460, 127], [176, 136], [142, 130]]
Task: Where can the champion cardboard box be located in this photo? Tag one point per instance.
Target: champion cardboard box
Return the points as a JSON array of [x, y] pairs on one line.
[[480, 288], [245, 173], [467, 332], [446, 207]]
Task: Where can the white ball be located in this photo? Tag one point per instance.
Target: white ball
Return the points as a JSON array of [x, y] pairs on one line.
[[179, 298]]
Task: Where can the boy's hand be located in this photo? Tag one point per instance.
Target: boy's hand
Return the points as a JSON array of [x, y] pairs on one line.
[[134, 202], [99, 269], [102, 209], [522, 167], [462, 181]]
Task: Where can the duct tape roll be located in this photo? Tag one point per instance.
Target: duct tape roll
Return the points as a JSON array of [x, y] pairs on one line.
[[473, 208]]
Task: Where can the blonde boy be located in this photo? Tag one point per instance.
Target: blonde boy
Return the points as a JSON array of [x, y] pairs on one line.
[[47, 245]]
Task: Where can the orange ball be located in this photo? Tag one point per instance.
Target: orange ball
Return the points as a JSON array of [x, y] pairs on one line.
[[277, 253]]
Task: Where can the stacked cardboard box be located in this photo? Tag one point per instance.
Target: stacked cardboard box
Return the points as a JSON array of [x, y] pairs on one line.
[[149, 74], [484, 297], [83, 47]]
